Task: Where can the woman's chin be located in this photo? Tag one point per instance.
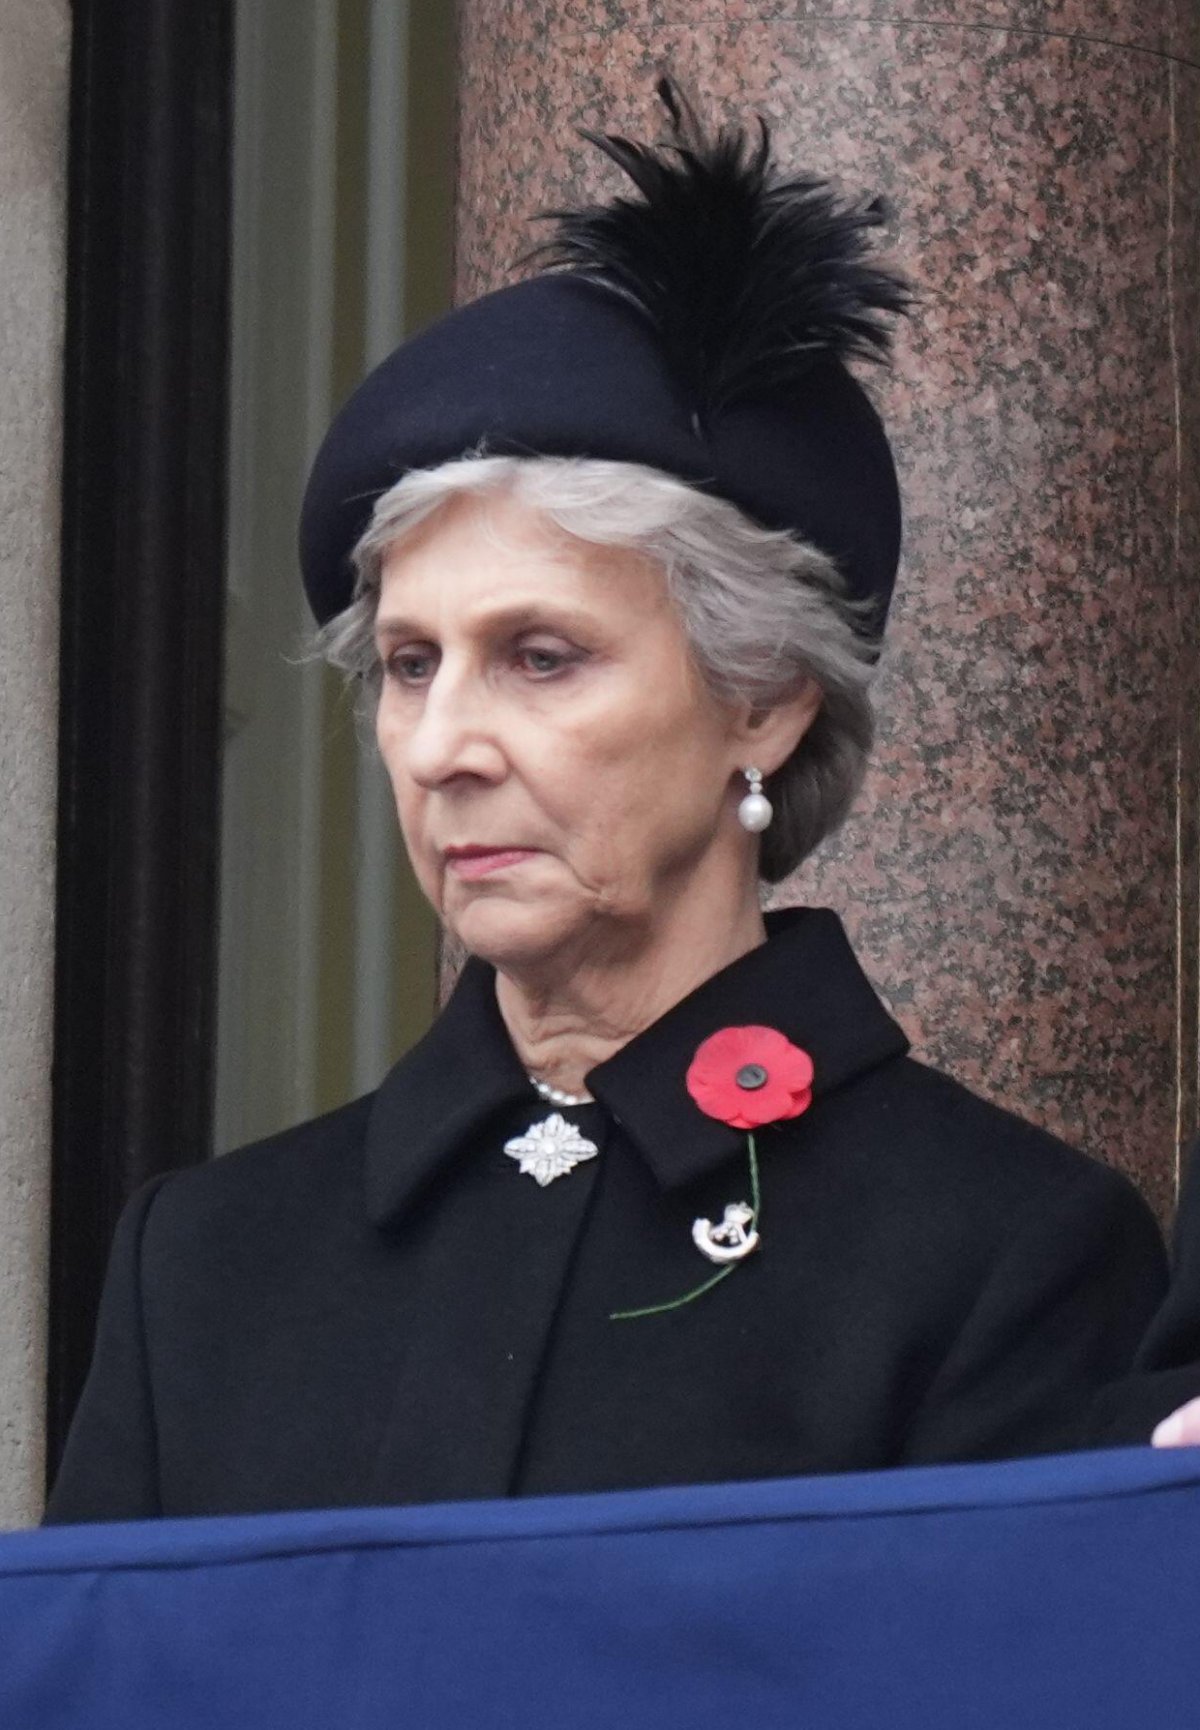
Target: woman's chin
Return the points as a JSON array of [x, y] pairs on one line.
[[509, 934]]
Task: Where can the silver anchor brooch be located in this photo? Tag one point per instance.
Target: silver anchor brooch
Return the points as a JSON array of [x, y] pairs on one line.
[[729, 1241], [550, 1149]]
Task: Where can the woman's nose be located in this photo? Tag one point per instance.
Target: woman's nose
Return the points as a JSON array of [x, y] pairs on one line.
[[455, 733]]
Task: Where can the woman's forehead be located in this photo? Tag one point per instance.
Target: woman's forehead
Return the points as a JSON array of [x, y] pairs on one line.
[[493, 553]]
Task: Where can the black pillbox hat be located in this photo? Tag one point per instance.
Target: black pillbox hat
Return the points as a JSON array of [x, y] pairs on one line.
[[701, 328]]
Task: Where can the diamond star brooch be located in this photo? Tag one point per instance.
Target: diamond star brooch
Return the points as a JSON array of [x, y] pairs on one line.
[[550, 1149]]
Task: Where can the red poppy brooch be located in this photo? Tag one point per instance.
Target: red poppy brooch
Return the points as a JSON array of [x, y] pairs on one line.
[[746, 1077]]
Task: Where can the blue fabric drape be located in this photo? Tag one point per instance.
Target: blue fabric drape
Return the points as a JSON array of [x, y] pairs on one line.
[[1031, 1595]]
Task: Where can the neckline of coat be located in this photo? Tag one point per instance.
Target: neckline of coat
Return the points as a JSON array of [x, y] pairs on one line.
[[805, 981]]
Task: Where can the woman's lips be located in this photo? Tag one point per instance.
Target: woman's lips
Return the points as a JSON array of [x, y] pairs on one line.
[[482, 864]]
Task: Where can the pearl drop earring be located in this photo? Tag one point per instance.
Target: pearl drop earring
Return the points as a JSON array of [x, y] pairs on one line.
[[755, 810]]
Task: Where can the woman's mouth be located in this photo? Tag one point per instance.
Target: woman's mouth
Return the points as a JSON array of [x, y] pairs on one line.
[[469, 863]]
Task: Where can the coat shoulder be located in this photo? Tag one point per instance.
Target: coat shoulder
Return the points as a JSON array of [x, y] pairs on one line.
[[300, 1173], [930, 1132]]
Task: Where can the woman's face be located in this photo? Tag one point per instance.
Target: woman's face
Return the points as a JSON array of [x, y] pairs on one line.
[[540, 710]]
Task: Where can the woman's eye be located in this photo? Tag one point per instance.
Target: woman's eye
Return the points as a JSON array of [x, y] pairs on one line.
[[544, 662], [408, 666]]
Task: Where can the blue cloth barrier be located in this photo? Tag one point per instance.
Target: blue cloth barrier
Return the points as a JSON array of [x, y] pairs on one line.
[[1050, 1594]]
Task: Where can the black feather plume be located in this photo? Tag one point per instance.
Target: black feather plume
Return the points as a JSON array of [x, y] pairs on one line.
[[749, 278]]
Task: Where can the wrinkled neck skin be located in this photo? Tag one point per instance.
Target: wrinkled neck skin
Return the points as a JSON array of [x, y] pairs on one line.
[[580, 1006]]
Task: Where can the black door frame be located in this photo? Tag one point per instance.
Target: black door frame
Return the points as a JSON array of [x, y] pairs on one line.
[[143, 563]]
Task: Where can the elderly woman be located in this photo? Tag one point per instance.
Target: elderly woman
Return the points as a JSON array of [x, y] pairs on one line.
[[661, 1197]]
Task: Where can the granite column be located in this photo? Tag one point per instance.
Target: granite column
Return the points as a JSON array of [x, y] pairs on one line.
[[1020, 874]]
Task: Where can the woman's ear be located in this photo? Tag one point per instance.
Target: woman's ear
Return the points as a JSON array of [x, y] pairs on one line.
[[766, 738]]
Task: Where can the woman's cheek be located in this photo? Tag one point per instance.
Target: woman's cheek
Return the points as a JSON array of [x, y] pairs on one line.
[[422, 855]]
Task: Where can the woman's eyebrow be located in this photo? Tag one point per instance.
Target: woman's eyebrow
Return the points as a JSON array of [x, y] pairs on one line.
[[395, 627], [548, 614]]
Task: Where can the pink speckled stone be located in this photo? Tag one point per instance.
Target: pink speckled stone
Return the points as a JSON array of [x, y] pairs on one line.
[[1020, 875], [1184, 525]]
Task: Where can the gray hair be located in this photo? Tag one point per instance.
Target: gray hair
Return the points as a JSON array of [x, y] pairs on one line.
[[762, 611]]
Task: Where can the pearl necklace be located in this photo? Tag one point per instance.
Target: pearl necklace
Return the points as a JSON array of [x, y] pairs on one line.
[[556, 1095]]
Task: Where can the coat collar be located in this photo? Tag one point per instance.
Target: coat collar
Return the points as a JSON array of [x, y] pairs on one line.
[[804, 981]]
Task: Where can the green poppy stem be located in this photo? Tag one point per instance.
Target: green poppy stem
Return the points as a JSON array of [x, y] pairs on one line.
[[699, 1291]]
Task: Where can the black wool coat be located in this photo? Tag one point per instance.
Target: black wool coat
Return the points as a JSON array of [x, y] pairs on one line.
[[379, 1307], [1166, 1371]]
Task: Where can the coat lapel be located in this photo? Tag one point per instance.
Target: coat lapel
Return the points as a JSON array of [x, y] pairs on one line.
[[486, 1259], [433, 1104], [805, 982], [481, 1251]]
